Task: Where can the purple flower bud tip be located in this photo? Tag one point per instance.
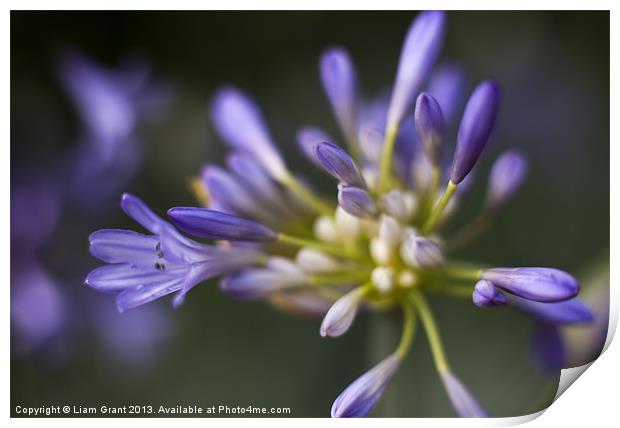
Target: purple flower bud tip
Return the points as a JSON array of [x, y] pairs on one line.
[[418, 55], [338, 163], [506, 176], [211, 224], [429, 126], [464, 403], [534, 283], [475, 129], [486, 295], [340, 83], [359, 398], [356, 201]]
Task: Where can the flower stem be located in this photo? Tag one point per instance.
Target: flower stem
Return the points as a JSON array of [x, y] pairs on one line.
[[306, 196], [432, 220], [409, 324], [431, 332], [462, 272], [339, 278], [385, 171]]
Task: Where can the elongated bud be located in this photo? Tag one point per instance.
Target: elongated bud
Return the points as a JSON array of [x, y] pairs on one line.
[[256, 283], [464, 403], [421, 252], [340, 84], [389, 230], [307, 138], [475, 129], [370, 142], [338, 163], [210, 224], [394, 203], [430, 127], [573, 311], [240, 123], [342, 313], [534, 283], [486, 295], [359, 398], [506, 176], [417, 57], [447, 87], [356, 201]]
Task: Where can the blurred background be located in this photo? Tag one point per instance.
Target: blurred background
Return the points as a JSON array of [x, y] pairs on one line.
[[156, 72]]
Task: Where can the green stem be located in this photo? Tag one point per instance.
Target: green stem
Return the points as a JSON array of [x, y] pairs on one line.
[[385, 171], [408, 330], [462, 272], [339, 278], [431, 332], [455, 290], [305, 195], [432, 220]]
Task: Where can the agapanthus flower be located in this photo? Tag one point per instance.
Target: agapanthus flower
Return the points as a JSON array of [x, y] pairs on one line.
[[378, 244]]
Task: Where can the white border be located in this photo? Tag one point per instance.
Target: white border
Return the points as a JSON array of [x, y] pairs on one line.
[[592, 399]]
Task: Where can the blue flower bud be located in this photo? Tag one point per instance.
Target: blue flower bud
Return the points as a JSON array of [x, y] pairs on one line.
[[447, 87], [464, 403], [548, 347], [429, 126], [342, 313], [340, 84], [475, 129], [338, 163], [255, 283], [356, 201], [486, 295], [534, 283], [417, 57], [506, 176], [210, 224], [573, 311], [240, 123], [359, 398]]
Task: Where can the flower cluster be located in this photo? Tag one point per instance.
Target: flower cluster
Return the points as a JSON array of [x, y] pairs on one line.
[[376, 246]]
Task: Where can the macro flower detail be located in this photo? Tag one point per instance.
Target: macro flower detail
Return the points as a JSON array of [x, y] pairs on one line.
[[378, 243]]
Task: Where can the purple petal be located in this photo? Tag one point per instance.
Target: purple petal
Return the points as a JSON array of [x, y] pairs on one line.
[[240, 123], [506, 176], [429, 126], [340, 84], [464, 403], [548, 347], [356, 201], [533, 283], [421, 252], [573, 311], [486, 295], [210, 224], [307, 138], [142, 294], [338, 163], [359, 398], [447, 86], [475, 129], [125, 246], [417, 58], [118, 277]]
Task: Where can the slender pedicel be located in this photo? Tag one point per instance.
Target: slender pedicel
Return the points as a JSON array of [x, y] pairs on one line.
[[435, 216]]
